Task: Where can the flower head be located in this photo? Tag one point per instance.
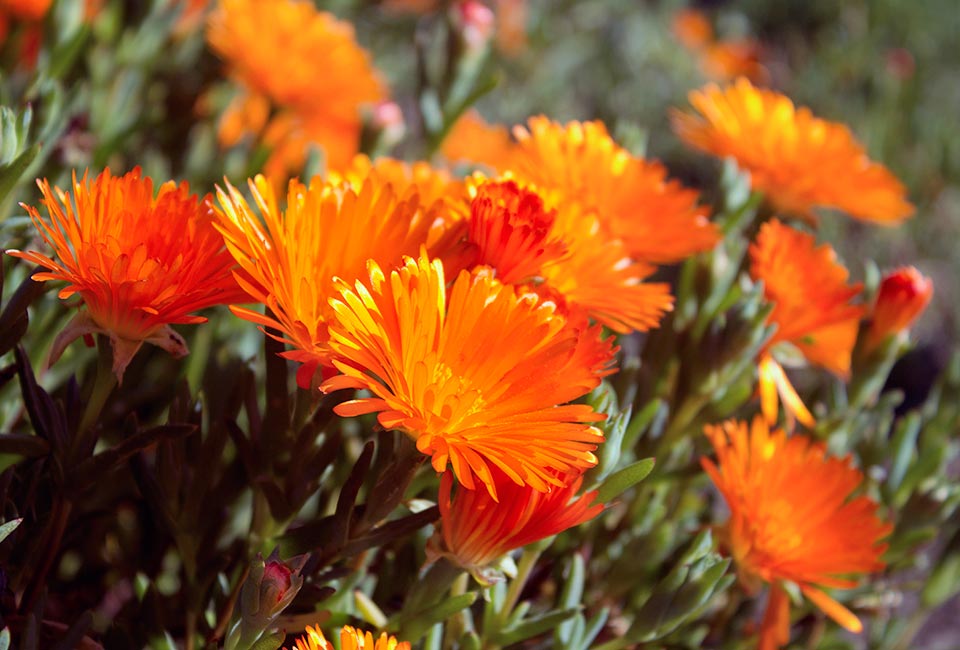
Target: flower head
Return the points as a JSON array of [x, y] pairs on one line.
[[475, 530], [793, 517], [32, 10], [811, 308], [140, 262], [563, 255], [327, 231], [473, 140], [480, 378], [350, 639], [799, 161], [598, 275], [659, 220], [728, 59], [318, 99], [512, 231], [903, 295], [692, 28]]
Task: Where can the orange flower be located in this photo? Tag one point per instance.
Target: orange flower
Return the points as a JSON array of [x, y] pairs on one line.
[[29, 10], [476, 378], [812, 309], [729, 59], [692, 28], [272, 50], [430, 183], [799, 161], [512, 231], [139, 262], [793, 518], [473, 140], [903, 295], [565, 257], [326, 231], [475, 530], [658, 220], [350, 639], [511, 31], [598, 276]]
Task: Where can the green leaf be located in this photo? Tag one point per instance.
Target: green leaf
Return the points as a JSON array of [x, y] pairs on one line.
[[11, 173], [943, 583], [415, 627], [532, 627], [625, 479], [9, 527]]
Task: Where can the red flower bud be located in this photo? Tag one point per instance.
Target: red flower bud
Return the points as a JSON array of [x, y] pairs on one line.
[[902, 297], [276, 582]]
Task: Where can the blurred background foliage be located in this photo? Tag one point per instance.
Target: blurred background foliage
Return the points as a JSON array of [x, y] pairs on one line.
[[132, 85]]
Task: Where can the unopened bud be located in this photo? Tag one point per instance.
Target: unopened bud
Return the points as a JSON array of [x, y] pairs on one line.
[[902, 297], [276, 582], [475, 21]]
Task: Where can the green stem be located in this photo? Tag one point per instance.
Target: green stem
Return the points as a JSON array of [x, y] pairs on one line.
[[683, 417], [528, 560], [103, 384]]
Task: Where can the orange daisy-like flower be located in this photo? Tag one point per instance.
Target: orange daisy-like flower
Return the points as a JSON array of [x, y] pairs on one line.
[[512, 231], [563, 255], [326, 231], [318, 98], [729, 59], [139, 262], [480, 379], [350, 639], [793, 518], [692, 28], [31, 10], [799, 161], [473, 140], [812, 311], [475, 530], [659, 220], [430, 183], [902, 297]]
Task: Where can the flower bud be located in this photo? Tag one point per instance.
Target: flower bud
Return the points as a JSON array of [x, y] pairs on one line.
[[902, 297], [475, 22], [276, 582]]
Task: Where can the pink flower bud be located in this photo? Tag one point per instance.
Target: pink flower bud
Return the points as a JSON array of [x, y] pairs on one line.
[[276, 582], [475, 21]]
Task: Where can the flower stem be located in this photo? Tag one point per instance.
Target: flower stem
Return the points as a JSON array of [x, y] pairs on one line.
[[103, 385], [527, 561]]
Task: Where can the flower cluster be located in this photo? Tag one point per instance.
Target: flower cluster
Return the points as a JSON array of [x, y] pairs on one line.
[[475, 313]]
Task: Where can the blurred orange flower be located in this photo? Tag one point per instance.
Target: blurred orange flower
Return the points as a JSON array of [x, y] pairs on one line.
[[350, 639], [475, 530], [659, 220], [480, 379], [30, 10], [692, 28], [812, 311], [728, 59], [272, 50], [327, 231], [800, 162], [793, 517], [139, 262], [474, 140], [903, 295]]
